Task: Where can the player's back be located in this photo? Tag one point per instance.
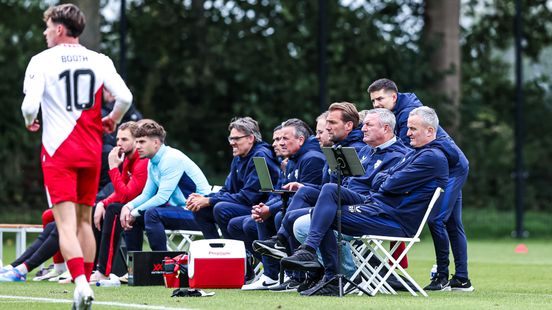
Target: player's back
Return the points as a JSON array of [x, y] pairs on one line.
[[73, 78]]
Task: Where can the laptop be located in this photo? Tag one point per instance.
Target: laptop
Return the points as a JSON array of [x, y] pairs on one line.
[[264, 177]]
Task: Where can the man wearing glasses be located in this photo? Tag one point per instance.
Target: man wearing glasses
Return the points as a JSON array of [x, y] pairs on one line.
[[241, 188]]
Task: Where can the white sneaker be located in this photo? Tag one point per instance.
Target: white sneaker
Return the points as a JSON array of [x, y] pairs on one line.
[[263, 283], [82, 298], [62, 276], [124, 278], [97, 276], [50, 274]]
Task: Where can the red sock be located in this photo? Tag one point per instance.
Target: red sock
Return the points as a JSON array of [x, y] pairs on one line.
[[58, 258], [398, 252], [76, 266], [88, 267]]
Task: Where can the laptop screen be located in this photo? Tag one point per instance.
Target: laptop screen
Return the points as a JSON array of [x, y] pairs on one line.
[[263, 173]]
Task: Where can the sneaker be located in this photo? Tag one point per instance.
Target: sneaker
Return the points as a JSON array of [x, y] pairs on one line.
[[290, 285], [439, 282], [461, 285], [124, 278], [45, 276], [312, 279], [62, 276], [13, 276], [272, 247], [44, 271], [323, 289], [302, 259], [82, 298], [97, 276], [263, 283], [5, 269]]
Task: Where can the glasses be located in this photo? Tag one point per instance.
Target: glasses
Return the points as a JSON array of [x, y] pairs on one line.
[[236, 139]]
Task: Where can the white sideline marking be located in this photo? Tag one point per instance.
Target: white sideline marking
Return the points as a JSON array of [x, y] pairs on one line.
[[102, 303]]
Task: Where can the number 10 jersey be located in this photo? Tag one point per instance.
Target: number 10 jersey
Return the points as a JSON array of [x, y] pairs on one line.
[[66, 81]]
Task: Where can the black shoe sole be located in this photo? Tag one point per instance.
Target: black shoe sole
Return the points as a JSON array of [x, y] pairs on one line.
[[268, 251], [304, 265]]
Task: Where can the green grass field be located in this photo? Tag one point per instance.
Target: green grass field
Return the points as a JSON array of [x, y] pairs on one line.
[[503, 280]]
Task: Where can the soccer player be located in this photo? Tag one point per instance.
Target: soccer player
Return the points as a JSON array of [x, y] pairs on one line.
[[66, 82]]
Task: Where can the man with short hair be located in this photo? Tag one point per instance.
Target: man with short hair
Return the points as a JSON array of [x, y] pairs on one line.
[[241, 188], [305, 164], [445, 224], [172, 178], [127, 183], [395, 207], [66, 82]]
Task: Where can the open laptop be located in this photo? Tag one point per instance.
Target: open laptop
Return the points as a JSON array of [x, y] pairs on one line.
[[264, 177]]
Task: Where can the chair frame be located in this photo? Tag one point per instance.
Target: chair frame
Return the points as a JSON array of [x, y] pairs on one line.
[[373, 246]]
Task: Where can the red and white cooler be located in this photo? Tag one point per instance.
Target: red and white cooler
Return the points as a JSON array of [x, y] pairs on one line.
[[216, 263]]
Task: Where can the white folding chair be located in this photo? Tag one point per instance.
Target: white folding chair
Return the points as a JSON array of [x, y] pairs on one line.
[[374, 247]]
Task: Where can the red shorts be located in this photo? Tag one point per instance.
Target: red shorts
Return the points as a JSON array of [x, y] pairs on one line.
[[75, 184]]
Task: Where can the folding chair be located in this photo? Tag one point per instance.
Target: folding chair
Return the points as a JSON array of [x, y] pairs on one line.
[[373, 247]]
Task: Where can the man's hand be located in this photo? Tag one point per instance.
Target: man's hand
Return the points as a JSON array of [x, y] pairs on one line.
[[99, 214], [108, 124], [35, 126], [195, 202], [126, 218], [114, 159], [260, 212], [293, 186]]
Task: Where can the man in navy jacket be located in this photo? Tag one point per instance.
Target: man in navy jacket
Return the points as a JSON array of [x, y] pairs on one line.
[[241, 188], [395, 207], [305, 163], [445, 223]]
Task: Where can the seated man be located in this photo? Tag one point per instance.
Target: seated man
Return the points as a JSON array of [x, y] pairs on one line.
[[127, 183], [395, 207], [241, 188], [172, 177], [305, 164]]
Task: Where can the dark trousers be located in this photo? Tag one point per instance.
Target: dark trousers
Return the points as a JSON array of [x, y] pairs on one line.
[[154, 222], [446, 227], [356, 220], [110, 236], [209, 217], [44, 247]]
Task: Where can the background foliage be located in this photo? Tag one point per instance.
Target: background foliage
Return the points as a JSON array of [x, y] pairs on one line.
[[193, 65]]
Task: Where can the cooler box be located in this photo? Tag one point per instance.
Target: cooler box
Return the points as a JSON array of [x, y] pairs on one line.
[[216, 263]]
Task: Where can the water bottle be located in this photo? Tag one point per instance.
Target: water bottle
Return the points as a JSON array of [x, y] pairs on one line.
[[433, 272], [113, 281]]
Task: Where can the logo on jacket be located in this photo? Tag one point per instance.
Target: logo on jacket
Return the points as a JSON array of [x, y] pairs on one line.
[[296, 172], [377, 164], [363, 159], [355, 209]]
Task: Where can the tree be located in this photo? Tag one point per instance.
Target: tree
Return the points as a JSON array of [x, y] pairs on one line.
[[442, 37]]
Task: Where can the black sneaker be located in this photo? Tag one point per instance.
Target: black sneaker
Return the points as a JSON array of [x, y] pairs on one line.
[[439, 282], [461, 285], [302, 259], [272, 247], [323, 289], [290, 285], [312, 279]]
